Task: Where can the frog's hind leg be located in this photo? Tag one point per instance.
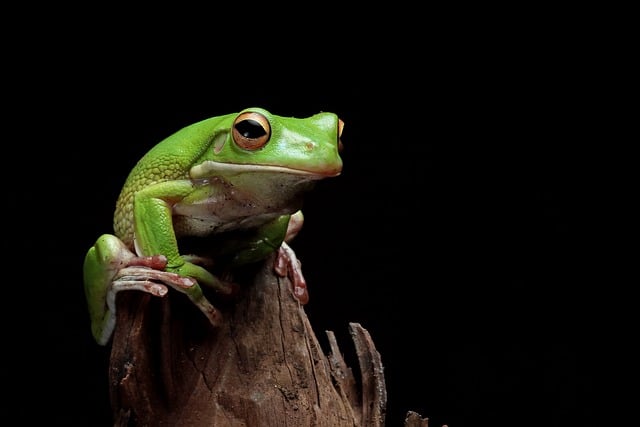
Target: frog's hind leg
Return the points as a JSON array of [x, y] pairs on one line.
[[110, 267]]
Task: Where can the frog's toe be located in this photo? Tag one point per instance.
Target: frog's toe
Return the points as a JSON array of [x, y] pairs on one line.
[[211, 313], [147, 286]]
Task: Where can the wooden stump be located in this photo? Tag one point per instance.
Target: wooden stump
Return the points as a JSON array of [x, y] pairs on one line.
[[262, 367]]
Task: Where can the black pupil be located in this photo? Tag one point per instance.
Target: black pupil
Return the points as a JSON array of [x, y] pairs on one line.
[[250, 129]]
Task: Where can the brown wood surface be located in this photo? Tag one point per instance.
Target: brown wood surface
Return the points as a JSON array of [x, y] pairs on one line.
[[262, 367]]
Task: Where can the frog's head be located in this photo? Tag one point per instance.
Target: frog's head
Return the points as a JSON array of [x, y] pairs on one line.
[[255, 141]]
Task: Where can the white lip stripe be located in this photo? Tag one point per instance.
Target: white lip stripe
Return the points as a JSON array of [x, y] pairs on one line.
[[206, 168]]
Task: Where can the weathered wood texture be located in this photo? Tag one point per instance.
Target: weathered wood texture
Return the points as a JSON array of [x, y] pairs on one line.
[[263, 367], [413, 419]]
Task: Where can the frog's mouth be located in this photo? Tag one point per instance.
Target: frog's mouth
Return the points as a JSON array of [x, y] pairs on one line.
[[210, 168]]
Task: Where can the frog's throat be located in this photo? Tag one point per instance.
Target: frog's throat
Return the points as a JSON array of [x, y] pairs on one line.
[[210, 168]]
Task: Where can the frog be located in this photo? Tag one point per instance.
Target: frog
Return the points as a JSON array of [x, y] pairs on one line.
[[233, 183]]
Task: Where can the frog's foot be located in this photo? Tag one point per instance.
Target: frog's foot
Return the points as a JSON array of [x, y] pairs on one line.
[[148, 279], [146, 275], [287, 264]]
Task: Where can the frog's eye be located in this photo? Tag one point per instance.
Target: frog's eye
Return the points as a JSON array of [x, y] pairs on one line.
[[251, 131]]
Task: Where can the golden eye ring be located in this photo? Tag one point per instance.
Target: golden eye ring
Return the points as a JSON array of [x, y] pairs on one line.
[[251, 130]]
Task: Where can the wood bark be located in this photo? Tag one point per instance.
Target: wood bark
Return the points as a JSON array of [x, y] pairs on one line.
[[263, 366]]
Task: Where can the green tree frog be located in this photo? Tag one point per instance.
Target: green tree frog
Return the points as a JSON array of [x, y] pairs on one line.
[[228, 190]]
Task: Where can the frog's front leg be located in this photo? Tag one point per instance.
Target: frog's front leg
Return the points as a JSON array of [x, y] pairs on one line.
[[157, 236], [110, 267], [274, 237], [269, 238]]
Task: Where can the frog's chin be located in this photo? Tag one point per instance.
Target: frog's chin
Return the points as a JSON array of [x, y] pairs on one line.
[[210, 168]]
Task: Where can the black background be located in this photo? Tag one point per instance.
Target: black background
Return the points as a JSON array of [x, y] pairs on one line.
[[461, 233]]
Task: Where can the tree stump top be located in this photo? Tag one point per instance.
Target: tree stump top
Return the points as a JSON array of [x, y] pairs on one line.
[[262, 367]]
